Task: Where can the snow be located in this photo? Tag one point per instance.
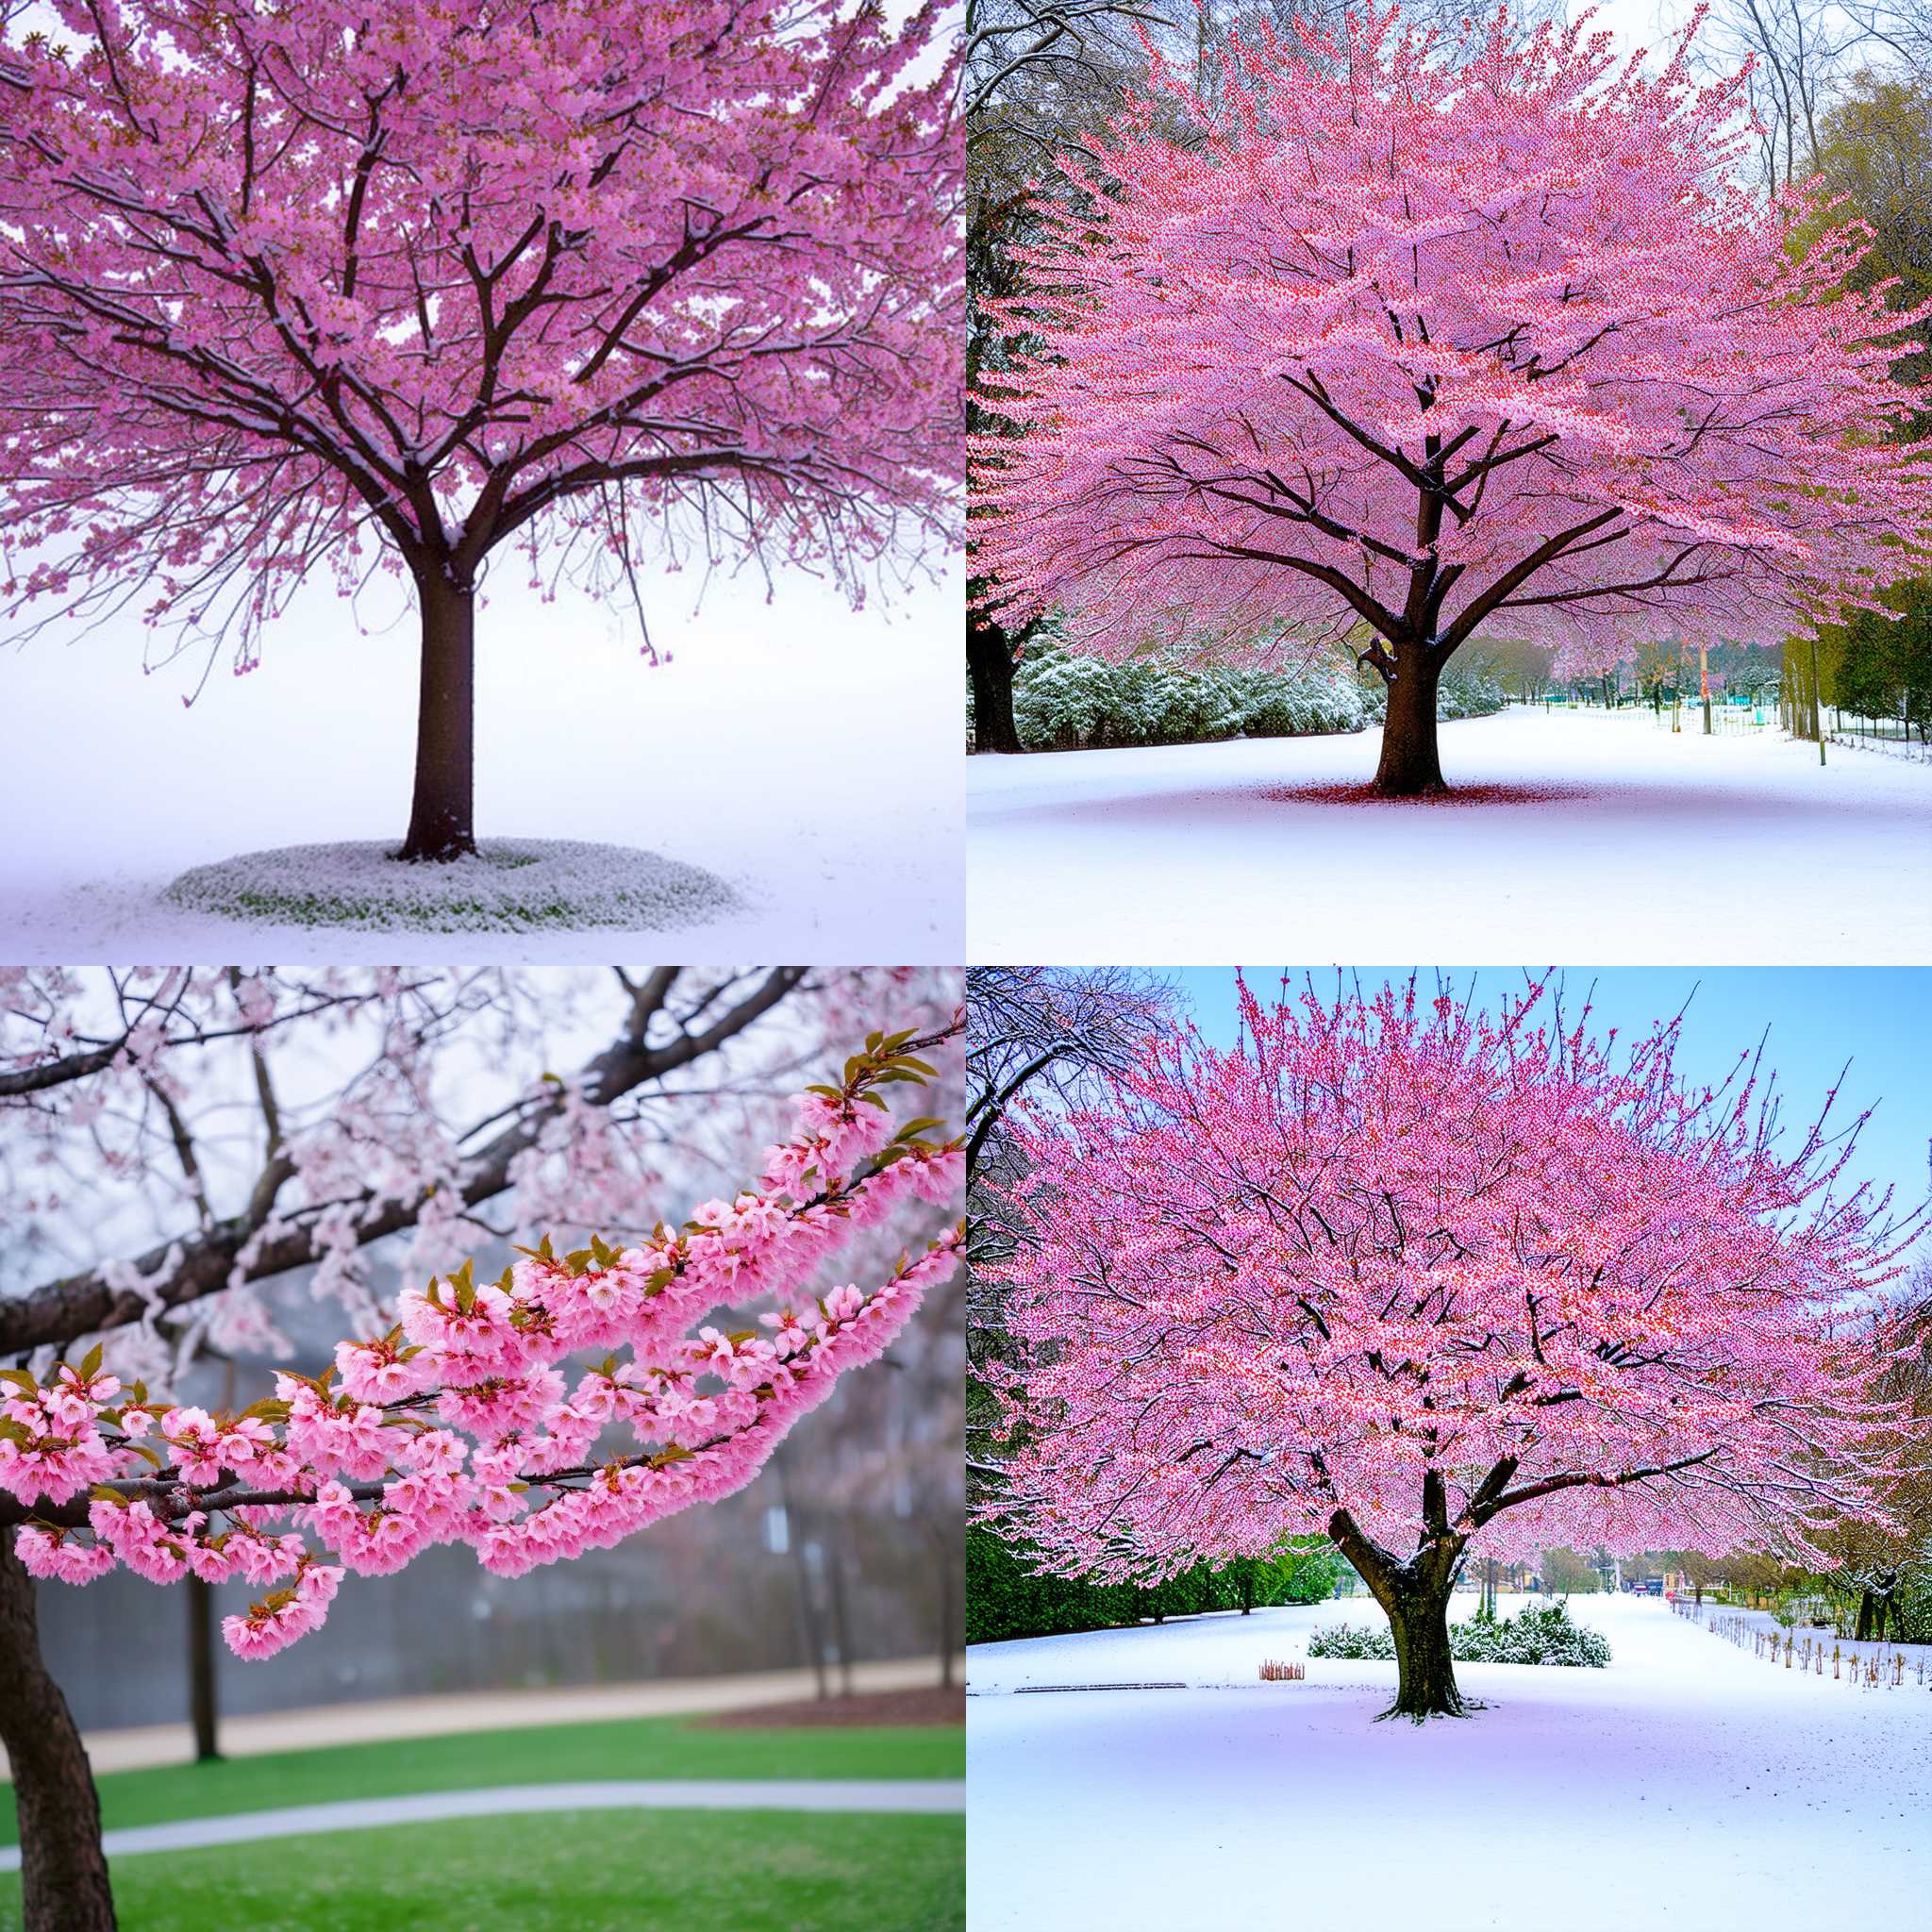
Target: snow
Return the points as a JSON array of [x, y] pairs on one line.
[[1688, 1784], [1606, 838], [508, 885], [808, 755]]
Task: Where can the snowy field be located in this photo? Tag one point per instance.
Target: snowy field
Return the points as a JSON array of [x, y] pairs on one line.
[[1608, 840], [808, 755], [1686, 1785]]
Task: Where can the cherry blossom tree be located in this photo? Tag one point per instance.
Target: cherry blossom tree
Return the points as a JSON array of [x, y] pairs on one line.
[[1400, 336], [579, 1398], [1437, 1284], [389, 285]]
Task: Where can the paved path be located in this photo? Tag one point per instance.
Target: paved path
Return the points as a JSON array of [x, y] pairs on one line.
[[657, 1795], [248, 1736]]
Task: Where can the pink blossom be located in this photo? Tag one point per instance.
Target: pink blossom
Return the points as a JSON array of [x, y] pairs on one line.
[[509, 1464]]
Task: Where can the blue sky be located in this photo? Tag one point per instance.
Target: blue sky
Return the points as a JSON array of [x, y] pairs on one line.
[[1818, 1017]]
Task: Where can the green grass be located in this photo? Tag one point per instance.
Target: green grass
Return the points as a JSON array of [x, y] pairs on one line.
[[627, 1748], [564, 1872]]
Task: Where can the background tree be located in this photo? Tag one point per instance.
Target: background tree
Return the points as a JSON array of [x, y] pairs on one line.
[[1793, 54], [1035, 75], [235, 1137], [391, 285], [1877, 1560], [1403, 381], [1437, 1284], [1566, 1571]]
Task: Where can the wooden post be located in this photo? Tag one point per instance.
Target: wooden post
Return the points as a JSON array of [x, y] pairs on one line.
[[1817, 699]]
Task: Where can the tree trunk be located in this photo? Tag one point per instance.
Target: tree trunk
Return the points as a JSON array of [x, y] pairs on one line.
[[201, 1668], [842, 1620], [810, 1635], [63, 1871], [441, 819], [1415, 1596], [942, 1537], [1409, 767], [989, 667], [1426, 1670], [1866, 1604]]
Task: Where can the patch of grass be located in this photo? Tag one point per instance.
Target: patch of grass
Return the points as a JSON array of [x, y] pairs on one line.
[[564, 1872], [508, 885], [625, 1748]]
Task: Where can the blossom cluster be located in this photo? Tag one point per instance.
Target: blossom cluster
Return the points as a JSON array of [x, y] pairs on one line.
[[1420, 330], [1393, 1269], [589, 272], [485, 1413]]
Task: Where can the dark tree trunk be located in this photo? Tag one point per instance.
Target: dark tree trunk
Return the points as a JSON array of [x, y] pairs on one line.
[[201, 1668], [1867, 1604], [943, 1541], [810, 1631], [63, 1871], [441, 819], [841, 1619], [989, 666], [1415, 1596], [1409, 767], [1426, 1670]]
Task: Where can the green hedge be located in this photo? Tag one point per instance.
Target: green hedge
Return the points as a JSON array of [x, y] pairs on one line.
[[1005, 1599]]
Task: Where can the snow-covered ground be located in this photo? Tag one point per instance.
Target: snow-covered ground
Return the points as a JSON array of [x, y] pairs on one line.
[[809, 756], [1606, 841], [1686, 1785]]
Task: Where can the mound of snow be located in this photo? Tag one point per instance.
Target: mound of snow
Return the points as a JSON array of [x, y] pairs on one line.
[[510, 885]]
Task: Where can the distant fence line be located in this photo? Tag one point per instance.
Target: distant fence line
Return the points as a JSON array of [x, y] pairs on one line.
[[1870, 1666]]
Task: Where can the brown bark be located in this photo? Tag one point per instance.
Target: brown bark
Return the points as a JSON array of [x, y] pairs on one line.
[[945, 1541], [200, 1600], [63, 1871], [1409, 767], [1414, 1594], [442, 814], [990, 668]]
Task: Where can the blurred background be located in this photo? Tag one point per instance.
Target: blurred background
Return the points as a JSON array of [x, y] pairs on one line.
[[238, 1113]]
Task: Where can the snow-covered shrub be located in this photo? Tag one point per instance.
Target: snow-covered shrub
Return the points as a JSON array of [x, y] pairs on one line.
[[1062, 703], [1540, 1634], [1066, 703], [1467, 692], [1346, 1641]]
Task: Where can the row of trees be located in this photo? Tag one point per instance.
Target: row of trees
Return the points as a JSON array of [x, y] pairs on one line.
[[1007, 1598]]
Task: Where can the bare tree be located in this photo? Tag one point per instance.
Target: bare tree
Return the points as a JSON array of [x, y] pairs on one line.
[[1800, 50], [1042, 1033]]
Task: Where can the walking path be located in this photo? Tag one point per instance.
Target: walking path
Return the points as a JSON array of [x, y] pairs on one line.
[[661, 1794], [258, 1732]]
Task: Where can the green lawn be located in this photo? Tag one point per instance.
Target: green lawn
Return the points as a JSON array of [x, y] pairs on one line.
[[564, 1872], [630, 1747]]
